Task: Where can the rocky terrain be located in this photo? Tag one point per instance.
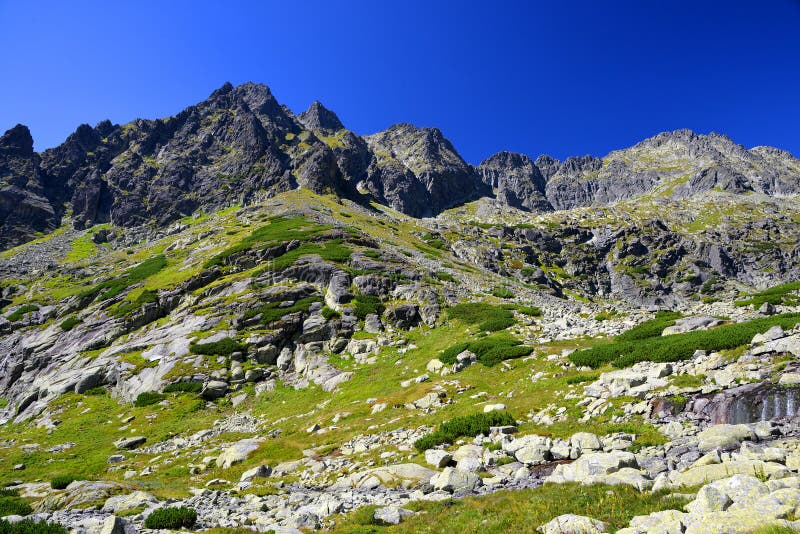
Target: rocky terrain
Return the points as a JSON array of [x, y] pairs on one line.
[[255, 320]]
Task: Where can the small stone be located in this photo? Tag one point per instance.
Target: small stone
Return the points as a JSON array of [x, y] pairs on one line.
[[130, 443]]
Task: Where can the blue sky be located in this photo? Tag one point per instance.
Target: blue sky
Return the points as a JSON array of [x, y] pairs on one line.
[[557, 77]]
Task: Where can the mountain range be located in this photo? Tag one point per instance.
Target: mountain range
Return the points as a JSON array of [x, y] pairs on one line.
[[241, 145]]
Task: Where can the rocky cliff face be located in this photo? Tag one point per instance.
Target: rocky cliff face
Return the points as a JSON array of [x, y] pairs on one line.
[[240, 145]]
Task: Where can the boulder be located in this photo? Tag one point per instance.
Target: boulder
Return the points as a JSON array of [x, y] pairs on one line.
[[130, 443], [390, 515], [437, 458], [237, 453], [214, 389], [724, 437], [403, 316], [453, 480], [123, 503], [574, 524], [261, 471]]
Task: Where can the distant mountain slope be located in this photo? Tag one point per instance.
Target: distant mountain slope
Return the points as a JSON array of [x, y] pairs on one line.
[[240, 145]]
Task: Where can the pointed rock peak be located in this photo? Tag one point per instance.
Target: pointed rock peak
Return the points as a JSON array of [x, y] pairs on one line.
[[224, 90], [17, 139], [514, 159], [318, 117]]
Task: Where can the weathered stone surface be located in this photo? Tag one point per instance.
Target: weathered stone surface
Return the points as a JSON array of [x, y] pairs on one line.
[[574, 524]]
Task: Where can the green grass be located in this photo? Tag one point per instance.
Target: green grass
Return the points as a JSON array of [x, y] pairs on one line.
[[780, 294], [81, 248], [224, 347], [679, 346], [445, 277], [28, 526], [20, 312], [69, 323], [173, 518], [464, 426], [518, 511]]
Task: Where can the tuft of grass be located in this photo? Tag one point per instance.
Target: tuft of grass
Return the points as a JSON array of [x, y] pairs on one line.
[[126, 308], [14, 505], [465, 425], [273, 311], [502, 292]]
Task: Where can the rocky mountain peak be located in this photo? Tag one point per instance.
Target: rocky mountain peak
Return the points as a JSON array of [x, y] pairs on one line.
[[17, 140], [318, 117]]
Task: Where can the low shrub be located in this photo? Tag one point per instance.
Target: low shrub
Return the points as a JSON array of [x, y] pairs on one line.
[[224, 347], [530, 311], [20, 312], [69, 323], [448, 356], [128, 307], [273, 311], [488, 317], [14, 505], [96, 392], [330, 313], [446, 277], [680, 346], [171, 518], [496, 324], [184, 387], [111, 288], [780, 294], [464, 426], [364, 305], [28, 526], [651, 328], [489, 350], [147, 398], [502, 292], [580, 379], [62, 481]]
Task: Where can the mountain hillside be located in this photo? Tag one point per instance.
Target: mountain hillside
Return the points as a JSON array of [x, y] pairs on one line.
[[240, 319]]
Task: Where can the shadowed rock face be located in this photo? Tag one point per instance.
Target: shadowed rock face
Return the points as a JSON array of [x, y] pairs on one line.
[[240, 146]]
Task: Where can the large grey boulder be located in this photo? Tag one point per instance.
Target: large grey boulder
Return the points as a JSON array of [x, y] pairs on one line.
[[130, 443], [453, 480], [724, 437], [390, 515], [237, 453], [214, 389], [574, 524]]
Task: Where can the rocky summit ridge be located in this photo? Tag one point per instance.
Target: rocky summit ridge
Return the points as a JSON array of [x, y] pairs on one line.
[[238, 319], [240, 145]]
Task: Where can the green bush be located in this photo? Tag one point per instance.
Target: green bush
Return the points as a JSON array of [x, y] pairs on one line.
[[14, 505], [62, 481], [126, 308], [651, 328], [530, 311], [488, 317], [780, 294], [579, 379], [29, 526], [224, 347], [489, 350], [273, 311], [364, 305], [448, 356], [446, 277], [330, 313], [464, 426], [502, 292], [496, 324], [69, 323], [171, 518], [680, 346], [184, 387], [96, 392], [111, 288], [279, 230], [146, 398], [20, 312]]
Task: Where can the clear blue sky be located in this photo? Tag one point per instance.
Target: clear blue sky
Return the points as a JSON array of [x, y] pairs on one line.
[[556, 77]]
